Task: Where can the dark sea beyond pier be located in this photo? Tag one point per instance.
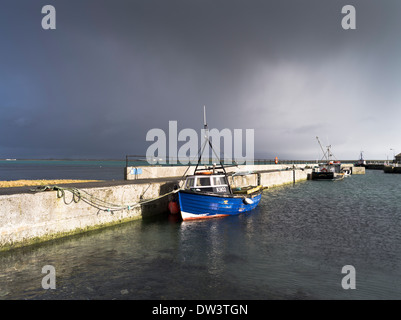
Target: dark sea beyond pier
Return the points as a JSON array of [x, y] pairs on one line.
[[62, 169], [294, 245]]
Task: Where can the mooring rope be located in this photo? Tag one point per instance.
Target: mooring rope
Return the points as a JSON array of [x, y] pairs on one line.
[[101, 205]]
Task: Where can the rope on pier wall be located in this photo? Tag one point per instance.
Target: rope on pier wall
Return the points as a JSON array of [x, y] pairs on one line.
[[101, 205]]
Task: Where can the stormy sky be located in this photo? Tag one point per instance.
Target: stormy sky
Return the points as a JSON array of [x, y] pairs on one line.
[[113, 70]]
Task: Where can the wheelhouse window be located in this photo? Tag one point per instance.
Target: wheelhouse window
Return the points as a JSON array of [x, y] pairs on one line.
[[203, 181], [190, 183], [215, 184], [220, 181]]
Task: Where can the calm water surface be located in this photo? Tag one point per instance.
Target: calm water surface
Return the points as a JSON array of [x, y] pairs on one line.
[[293, 246]]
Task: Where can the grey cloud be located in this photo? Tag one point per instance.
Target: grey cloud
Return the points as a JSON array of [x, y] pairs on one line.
[[112, 70]]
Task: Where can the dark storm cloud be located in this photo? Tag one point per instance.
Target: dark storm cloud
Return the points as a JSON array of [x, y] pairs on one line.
[[112, 70]]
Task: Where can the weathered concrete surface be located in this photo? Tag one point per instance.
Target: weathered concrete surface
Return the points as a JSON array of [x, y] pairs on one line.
[[31, 217], [272, 179], [358, 170]]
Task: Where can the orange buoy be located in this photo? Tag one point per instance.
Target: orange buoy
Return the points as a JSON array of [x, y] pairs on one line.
[[173, 207], [275, 160]]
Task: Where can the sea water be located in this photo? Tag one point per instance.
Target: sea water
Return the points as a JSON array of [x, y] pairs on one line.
[[294, 245], [61, 169]]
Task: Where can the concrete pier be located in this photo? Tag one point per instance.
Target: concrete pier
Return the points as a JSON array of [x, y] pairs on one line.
[[358, 170], [28, 217]]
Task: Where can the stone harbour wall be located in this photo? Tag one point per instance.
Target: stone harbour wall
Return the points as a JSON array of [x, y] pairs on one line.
[[29, 217]]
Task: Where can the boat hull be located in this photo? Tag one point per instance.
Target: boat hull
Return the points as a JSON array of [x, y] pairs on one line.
[[196, 206], [392, 169], [327, 176]]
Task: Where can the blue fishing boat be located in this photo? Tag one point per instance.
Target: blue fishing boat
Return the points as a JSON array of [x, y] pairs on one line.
[[198, 203], [208, 194]]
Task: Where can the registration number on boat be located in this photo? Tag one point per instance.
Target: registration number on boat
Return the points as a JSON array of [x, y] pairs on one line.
[[221, 189]]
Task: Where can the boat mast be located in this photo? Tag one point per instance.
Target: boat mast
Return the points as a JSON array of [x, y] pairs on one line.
[[325, 153], [204, 118], [207, 140], [329, 154]]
